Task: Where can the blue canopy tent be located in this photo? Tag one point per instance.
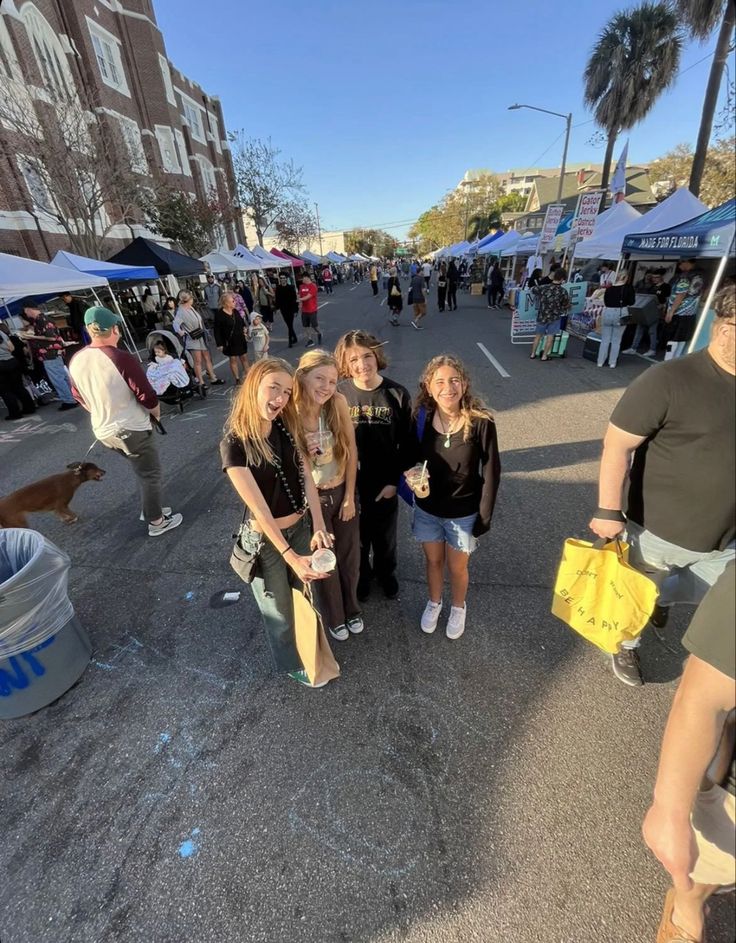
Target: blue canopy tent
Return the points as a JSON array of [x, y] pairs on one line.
[[109, 270], [487, 240], [708, 236]]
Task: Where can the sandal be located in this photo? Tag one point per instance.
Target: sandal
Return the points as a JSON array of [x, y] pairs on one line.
[[532, 356], [544, 358], [669, 932]]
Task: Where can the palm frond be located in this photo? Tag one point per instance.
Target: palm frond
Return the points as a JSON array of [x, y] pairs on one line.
[[701, 16]]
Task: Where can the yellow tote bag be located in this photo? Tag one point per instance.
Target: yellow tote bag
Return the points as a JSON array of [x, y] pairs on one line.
[[600, 595]]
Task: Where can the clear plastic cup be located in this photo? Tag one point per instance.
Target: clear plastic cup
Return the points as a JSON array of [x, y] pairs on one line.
[[418, 480], [323, 561]]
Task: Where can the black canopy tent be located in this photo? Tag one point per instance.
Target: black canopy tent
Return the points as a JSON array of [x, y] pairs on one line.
[[166, 261]]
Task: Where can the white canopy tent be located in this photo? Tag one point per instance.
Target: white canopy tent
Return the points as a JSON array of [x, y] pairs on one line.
[[527, 245], [507, 241], [22, 277], [220, 262], [609, 233], [311, 257], [246, 261], [679, 207], [267, 260]]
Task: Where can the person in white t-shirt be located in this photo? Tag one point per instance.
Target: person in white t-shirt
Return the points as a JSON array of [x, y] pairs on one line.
[[427, 273]]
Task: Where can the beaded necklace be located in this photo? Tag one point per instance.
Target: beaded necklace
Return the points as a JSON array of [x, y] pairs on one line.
[[277, 467]]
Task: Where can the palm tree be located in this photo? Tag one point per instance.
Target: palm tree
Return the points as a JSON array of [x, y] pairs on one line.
[[634, 60], [700, 18]]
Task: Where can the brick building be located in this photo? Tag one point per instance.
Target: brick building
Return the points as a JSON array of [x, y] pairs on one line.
[[110, 56]]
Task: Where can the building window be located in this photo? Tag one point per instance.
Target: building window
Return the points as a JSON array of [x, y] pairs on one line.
[[109, 61], [132, 137], [192, 117], [48, 52], [36, 183], [207, 173], [165, 138], [214, 131], [166, 76], [182, 148]]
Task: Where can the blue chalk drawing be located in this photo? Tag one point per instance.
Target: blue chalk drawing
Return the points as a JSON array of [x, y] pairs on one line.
[[189, 848], [163, 739], [189, 596]]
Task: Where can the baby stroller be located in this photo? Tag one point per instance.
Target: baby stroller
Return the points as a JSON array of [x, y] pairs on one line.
[[173, 380]]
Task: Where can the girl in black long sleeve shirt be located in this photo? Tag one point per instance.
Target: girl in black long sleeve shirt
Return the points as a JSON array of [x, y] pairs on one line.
[[459, 444]]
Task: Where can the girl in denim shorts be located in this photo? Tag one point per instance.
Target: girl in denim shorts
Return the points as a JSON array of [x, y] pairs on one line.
[[454, 433]]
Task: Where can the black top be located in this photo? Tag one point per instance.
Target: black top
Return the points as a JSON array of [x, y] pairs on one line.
[[464, 478], [286, 300], [382, 418], [682, 478], [247, 295], [711, 638], [229, 333], [619, 296], [77, 310], [233, 456]]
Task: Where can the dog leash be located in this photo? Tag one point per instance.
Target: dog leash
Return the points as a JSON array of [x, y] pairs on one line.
[[157, 425]]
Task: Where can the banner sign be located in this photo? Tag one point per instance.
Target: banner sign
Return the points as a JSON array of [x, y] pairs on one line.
[[549, 228], [524, 310], [586, 214], [708, 236]]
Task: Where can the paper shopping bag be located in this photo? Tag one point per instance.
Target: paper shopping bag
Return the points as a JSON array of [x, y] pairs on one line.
[[311, 642], [600, 595]]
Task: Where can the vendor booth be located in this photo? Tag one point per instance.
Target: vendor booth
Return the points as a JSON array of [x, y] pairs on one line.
[[145, 252]]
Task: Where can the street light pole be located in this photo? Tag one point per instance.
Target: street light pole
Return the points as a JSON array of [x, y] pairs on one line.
[[568, 123], [319, 228]]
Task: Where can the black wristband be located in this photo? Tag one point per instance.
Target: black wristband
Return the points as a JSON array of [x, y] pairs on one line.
[[609, 514], [288, 548]]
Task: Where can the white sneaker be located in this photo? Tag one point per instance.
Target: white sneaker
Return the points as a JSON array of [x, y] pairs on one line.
[[340, 633], [430, 616], [456, 622], [630, 350], [355, 625], [165, 511], [650, 353], [169, 522]]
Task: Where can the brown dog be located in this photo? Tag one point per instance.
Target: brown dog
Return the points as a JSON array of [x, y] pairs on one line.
[[50, 494]]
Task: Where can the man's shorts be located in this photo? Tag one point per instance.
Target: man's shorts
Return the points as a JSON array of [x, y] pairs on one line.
[[310, 320], [552, 327], [714, 823], [420, 309]]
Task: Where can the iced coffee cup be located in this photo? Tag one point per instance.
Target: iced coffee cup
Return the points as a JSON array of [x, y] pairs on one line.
[[418, 480]]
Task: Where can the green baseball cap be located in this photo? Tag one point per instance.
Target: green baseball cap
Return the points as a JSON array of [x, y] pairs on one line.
[[104, 318]]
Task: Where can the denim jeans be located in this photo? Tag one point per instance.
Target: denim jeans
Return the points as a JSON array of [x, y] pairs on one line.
[[272, 590], [611, 333], [59, 378], [683, 576]]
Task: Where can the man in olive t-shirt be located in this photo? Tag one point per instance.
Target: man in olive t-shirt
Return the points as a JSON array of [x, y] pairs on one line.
[[677, 421]]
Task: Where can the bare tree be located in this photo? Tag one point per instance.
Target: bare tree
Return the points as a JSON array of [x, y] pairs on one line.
[[296, 225], [265, 184], [78, 166]]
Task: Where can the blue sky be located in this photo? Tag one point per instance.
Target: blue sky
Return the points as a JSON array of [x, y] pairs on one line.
[[386, 104]]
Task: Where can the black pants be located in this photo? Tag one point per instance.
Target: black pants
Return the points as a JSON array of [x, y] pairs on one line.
[[15, 396], [374, 286], [441, 295], [267, 314], [378, 521], [288, 317], [496, 295], [452, 295], [336, 596]]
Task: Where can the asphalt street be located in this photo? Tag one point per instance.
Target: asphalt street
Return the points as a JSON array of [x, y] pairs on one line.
[[488, 789]]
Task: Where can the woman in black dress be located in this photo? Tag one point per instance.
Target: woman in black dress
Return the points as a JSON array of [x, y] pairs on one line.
[[287, 303], [395, 300], [453, 277], [442, 286], [230, 336]]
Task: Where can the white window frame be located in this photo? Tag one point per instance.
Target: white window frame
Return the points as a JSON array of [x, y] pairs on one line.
[[36, 186], [214, 131], [183, 156], [134, 143], [191, 109], [166, 76], [165, 138], [107, 52], [207, 174], [48, 52]]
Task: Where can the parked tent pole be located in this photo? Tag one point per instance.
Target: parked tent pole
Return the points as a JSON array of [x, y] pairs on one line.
[[708, 302], [130, 343]]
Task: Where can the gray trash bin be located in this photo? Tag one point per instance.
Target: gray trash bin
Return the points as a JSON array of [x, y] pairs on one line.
[[43, 648]]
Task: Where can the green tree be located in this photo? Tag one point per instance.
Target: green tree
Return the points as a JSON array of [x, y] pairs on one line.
[[370, 242], [491, 217], [297, 225], [194, 225], [701, 17], [673, 170], [633, 61]]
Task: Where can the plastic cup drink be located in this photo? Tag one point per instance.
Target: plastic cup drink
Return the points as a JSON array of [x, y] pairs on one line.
[[323, 561], [418, 480]]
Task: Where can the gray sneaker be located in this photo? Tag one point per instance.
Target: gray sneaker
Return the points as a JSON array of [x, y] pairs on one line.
[[169, 522], [165, 511], [340, 633], [625, 664], [355, 625]]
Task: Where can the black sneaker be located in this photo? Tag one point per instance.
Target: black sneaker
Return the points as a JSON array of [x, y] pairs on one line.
[[660, 616], [390, 587], [64, 406], [319, 337], [364, 588], [626, 667]]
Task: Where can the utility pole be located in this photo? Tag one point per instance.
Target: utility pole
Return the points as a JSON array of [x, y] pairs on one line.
[[319, 228]]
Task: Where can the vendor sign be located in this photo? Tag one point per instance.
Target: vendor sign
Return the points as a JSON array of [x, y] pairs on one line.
[[549, 228]]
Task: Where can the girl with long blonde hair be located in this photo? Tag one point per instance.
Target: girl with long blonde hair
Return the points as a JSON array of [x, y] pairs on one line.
[[326, 436], [454, 433], [262, 459]]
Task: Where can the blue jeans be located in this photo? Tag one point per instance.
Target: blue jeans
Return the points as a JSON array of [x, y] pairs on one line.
[[611, 333], [59, 379], [683, 576]]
